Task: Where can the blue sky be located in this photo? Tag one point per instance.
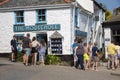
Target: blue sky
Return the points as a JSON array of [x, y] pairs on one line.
[[110, 4]]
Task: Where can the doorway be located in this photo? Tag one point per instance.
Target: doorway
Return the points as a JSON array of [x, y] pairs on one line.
[[116, 36], [117, 39], [41, 36]]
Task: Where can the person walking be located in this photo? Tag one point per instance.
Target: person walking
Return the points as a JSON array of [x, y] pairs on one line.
[[95, 56], [111, 49], [42, 51], [86, 56], [117, 55], [35, 46], [79, 51], [26, 44], [73, 48], [13, 43]]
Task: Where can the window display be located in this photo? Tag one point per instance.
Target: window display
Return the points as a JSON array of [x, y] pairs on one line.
[[56, 46]]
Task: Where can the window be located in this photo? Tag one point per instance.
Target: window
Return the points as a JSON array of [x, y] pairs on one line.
[[41, 16], [83, 21], [19, 17], [76, 17], [19, 37]]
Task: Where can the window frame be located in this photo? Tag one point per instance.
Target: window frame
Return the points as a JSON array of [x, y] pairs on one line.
[[42, 15], [16, 17]]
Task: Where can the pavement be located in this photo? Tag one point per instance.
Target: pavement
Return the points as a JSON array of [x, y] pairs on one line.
[[17, 71]]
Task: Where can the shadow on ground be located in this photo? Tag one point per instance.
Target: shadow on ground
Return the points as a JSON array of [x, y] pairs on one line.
[[115, 74], [5, 64]]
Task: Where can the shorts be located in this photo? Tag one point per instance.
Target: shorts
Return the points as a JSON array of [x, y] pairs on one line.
[[27, 51], [95, 58], [86, 57], [118, 56], [111, 57], [34, 50], [14, 51]]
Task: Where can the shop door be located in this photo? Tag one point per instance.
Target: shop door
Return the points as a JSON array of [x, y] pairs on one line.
[[40, 37]]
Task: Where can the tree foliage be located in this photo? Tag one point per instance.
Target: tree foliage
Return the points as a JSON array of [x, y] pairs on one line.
[[108, 15]]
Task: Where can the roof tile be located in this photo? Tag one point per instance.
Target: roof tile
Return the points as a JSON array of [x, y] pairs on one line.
[[19, 3]]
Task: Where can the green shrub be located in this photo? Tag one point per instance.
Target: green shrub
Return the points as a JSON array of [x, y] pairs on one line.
[[19, 56], [101, 55], [52, 59], [105, 60]]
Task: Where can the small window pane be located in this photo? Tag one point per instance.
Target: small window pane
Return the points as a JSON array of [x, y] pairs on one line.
[[18, 20], [43, 18], [41, 15], [19, 17]]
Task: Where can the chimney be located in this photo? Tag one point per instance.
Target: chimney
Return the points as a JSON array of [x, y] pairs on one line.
[[67, 1]]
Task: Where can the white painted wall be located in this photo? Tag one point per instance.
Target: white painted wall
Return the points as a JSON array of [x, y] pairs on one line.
[[86, 4], [62, 17], [98, 28], [107, 36], [6, 31], [54, 16], [30, 17]]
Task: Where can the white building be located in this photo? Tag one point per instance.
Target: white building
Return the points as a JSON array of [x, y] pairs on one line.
[[112, 30], [59, 22], [99, 18]]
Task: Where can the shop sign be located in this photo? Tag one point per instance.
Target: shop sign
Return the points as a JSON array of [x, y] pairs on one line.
[[81, 33], [18, 28]]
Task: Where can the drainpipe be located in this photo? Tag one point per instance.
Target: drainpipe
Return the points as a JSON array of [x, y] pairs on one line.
[[72, 24], [87, 27], [93, 29]]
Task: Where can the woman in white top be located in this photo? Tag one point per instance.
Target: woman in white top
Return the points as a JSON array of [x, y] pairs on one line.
[[35, 45]]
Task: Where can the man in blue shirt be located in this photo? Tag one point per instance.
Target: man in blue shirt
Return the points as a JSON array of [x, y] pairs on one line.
[[73, 48], [95, 57]]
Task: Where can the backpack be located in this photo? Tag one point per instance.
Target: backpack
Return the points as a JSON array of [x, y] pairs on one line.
[[80, 49]]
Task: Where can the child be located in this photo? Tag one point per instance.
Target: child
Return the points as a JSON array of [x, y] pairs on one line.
[[95, 57], [86, 56], [42, 50]]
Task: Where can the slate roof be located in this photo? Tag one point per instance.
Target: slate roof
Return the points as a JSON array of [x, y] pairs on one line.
[[19, 3], [115, 18], [56, 35], [114, 21]]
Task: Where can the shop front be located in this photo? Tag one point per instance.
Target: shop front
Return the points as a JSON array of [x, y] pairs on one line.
[[54, 42]]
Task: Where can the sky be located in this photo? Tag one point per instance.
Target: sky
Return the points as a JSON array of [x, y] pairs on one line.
[[110, 4]]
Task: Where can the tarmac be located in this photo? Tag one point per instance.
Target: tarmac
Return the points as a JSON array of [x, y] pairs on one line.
[[17, 71]]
